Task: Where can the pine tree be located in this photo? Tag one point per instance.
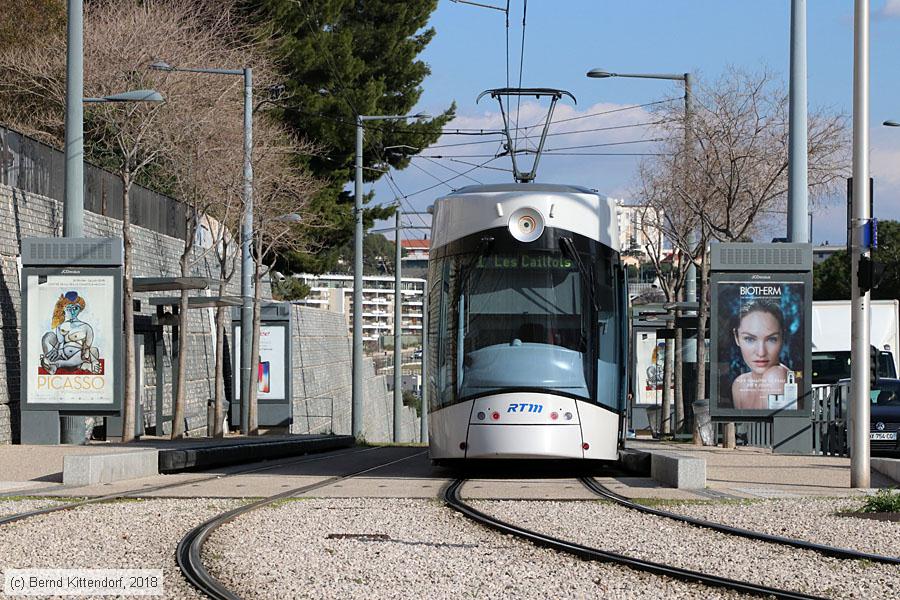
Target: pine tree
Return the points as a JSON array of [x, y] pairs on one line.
[[342, 58]]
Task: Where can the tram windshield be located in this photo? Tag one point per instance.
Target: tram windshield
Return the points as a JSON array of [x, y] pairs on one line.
[[527, 319]]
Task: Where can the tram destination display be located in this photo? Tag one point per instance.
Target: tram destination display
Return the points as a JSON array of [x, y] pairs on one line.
[[759, 362]]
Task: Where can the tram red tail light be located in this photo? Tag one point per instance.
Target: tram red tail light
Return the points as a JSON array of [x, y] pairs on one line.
[[554, 416], [463, 445], [495, 415], [585, 446]]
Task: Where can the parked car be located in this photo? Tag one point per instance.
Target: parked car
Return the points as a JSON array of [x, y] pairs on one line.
[[884, 426], [417, 354]]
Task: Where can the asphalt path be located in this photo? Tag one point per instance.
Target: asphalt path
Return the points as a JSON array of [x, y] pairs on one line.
[[415, 477]]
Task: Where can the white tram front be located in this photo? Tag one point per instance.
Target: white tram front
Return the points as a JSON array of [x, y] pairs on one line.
[[527, 325]]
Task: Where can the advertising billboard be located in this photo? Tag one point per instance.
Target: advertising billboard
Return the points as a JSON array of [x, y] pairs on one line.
[[271, 376], [72, 335], [759, 356], [649, 362]]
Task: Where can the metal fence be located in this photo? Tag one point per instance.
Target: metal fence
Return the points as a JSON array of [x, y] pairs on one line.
[[829, 422], [36, 168]]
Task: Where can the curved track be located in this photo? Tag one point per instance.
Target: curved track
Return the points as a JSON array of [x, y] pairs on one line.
[[843, 553], [453, 499], [144, 490], [188, 553]]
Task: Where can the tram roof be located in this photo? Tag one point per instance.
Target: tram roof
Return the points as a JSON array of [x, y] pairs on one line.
[[523, 187]]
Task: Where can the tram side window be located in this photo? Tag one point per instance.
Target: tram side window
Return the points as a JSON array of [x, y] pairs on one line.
[[434, 337], [446, 370], [608, 340]]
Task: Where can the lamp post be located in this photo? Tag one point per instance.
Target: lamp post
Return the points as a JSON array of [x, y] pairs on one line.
[[357, 387], [689, 344], [73, 200], [685, 78], [246, 231], [858, 247], [798, 186]]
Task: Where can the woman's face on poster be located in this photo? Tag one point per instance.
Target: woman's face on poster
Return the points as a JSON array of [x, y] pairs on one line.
[[72, 311], [760, 339]]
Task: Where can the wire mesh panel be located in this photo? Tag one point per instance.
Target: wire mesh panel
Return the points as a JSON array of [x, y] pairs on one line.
[[829, 421]]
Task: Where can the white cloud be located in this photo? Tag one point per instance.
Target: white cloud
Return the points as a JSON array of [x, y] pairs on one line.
[[890, 10], [566, 159]]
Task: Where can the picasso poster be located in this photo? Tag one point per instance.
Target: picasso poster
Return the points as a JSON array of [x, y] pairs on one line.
[[71, 337]]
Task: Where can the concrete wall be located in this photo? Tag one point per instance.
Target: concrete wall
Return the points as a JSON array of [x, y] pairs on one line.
[[323, 355], [155, 255], [322, 351]]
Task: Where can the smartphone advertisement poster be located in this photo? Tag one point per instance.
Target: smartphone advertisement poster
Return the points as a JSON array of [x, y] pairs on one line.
[[271, 373]]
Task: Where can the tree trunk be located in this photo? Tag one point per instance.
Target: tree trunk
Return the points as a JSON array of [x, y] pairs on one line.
[[702, 286], [128, 371], [679, 376], [218, 430], [666, 408], [181, 366], [254, 356]]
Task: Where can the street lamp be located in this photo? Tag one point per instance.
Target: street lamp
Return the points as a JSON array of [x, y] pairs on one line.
[[132, 96], [685, 78], [357, 387], [246, 230], [891, 124]]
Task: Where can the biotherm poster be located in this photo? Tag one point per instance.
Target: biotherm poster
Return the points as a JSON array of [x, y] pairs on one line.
[[760, 345], [71, 338]]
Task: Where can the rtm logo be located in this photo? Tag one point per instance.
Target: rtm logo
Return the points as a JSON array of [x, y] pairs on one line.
[[530, 408]]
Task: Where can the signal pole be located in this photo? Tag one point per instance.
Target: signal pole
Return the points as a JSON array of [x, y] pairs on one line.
[[798, 205], [859, 248]]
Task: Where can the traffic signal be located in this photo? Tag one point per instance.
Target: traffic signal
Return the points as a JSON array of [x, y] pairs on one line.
[[869, 273], [873, 367]]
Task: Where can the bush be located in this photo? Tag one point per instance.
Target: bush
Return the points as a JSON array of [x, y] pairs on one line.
[[883, 501], [413, 400]]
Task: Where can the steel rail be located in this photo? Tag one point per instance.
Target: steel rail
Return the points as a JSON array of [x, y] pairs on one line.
[[137, 492], [453, 499], [832, 551], [188, 552]]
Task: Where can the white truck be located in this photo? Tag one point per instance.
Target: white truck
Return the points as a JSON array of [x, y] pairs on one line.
[[831, 338]]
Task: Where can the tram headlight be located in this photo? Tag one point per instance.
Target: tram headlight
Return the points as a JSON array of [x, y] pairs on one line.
[[526, 224], [480, 416]]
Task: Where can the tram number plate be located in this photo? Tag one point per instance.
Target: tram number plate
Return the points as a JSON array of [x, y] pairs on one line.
[[883, 435]]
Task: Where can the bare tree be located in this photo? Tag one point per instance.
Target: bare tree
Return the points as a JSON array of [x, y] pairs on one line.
[[188, 140], [666, 225], [732, 176], [280, 202]]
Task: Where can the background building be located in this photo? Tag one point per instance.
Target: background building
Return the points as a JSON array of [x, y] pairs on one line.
[[335, 293]]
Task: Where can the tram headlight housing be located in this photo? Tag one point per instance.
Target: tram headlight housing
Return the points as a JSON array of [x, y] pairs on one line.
[[526, 224]]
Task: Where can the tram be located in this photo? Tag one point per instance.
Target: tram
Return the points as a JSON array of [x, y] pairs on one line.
[[527, 325]]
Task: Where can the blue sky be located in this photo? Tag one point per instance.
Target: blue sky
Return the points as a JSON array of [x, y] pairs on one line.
[[564, 39]]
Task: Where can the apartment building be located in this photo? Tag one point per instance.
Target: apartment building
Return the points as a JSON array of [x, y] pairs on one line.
[[335, 293]]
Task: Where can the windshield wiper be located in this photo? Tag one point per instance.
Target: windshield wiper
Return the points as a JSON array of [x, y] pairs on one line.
[[484, 245], [586, 274]]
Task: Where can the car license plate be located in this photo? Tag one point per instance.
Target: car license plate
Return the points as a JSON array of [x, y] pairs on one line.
[[883, 435]]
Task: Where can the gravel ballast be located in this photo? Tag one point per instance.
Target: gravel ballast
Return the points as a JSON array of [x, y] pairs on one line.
[[822, 520], [115, 535], [10, 506], [614, 528], [412, 549]]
